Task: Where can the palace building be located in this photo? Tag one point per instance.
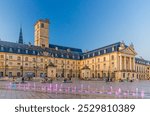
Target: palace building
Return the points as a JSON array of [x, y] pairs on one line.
[[116, 61]]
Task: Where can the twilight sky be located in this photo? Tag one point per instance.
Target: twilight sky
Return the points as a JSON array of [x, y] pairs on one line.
[[85, 24]]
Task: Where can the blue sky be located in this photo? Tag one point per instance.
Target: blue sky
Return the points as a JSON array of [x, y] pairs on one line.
[[85, 24]]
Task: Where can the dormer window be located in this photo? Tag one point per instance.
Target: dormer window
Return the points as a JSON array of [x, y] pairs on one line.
[[26, 51], [99, 53], [62, 55], [56, 48], [93, 54], [10, 50], [67, 56], [88, 55], [78, 57], [83, 57], [33, 52], [55, 55], [73, 56], [18, 50], [104, 51], [2, 48], [113, 49], [68, 50], [52, 55]]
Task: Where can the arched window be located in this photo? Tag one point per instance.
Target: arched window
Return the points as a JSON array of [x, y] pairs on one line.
[[104, 58]]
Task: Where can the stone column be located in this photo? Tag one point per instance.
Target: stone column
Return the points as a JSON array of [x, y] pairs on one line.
[[120, 62], [130, 63], [133, 63], [125, 64]]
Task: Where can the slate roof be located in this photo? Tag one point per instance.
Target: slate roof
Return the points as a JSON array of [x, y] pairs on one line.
[[65, 48], [61, 51], [103, 50], [37, 50], [142, 61]]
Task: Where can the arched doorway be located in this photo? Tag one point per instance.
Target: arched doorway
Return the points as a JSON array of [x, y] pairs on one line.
[[92, 75]]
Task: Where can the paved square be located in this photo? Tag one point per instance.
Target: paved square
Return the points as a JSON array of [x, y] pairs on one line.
[[76, 90]]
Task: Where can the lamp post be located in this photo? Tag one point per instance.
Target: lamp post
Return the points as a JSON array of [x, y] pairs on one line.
[[6, 67], [35, 70], [109, 74], [45, 67], [63, 69], [21, 70], [70, 74]]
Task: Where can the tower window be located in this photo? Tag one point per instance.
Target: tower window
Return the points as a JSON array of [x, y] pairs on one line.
[[42, 25]]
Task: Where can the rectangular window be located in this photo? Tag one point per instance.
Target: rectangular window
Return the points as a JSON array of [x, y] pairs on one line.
[[10, 57], [41, 59], [1, 64], [18, 64], [98, 60], [18, 58], [2, 56], [34, 60], [26, 58], [10, 63]]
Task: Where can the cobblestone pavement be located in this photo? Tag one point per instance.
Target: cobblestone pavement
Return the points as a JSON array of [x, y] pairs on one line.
[[75, 90]]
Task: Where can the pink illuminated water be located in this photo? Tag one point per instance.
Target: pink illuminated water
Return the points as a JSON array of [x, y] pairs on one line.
[[81, 89]]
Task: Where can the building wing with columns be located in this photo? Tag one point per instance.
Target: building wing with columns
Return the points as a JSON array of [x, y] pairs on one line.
[[115, 61]]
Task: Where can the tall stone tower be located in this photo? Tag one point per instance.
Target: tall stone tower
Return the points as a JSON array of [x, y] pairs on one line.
[[41, 33]]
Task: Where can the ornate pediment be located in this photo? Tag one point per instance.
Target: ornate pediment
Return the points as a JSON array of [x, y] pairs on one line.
[[129, 50]]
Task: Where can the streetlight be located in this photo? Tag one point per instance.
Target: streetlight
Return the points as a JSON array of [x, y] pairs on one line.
[[35, 70], [63, 69], [21, 70], [45, 67], [6, 66]]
